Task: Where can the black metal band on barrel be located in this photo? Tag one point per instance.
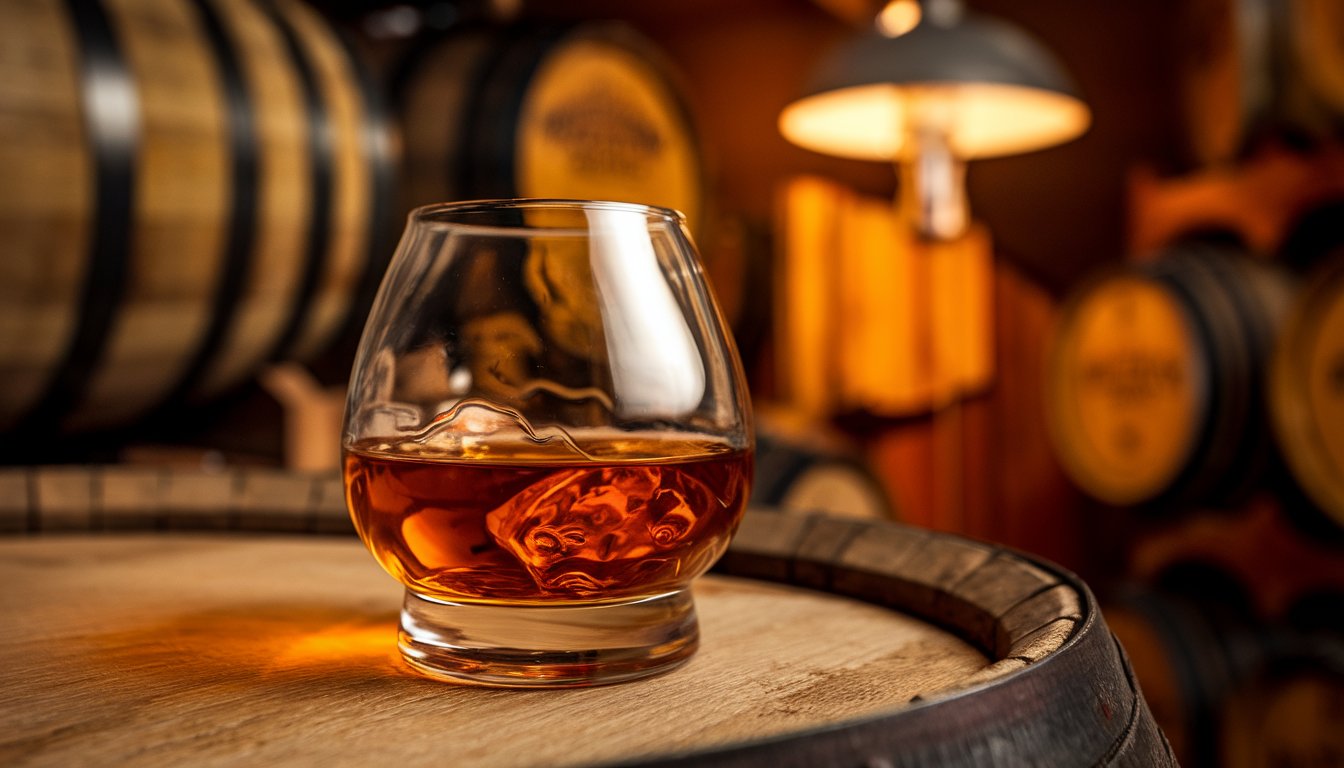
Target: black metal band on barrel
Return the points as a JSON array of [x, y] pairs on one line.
[[376, 143], [1214, 399], [1190, 665], [469, 162], [111, 119], [491, 138], [777, 467], [1254, 327], [241, 230], [320, 150]]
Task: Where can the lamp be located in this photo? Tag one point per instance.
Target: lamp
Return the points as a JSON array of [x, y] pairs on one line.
[[955, 86]]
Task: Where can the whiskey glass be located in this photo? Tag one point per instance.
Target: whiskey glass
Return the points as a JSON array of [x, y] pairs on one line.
[[547, 436]]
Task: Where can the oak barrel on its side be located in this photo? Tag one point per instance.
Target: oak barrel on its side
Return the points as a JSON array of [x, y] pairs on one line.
[[1254, 69], [1156, 382], [189, 189], [1288, 714], [846, 660], [1306, 392], [1191, 647], [794, 478], [1223, 65], [1228, 689], [587, 112]]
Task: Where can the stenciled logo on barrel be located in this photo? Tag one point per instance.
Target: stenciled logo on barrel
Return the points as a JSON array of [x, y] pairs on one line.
[[599, 123], [603, 132], [1129, 390]]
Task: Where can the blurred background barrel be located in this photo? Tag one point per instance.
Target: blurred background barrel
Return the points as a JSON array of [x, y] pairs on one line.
[[1227, 688], [584, 111], [189, 190], [1156, 384], [792, 476], [1289, 713], [1307, 392], [1257, 70], [1192, 641]]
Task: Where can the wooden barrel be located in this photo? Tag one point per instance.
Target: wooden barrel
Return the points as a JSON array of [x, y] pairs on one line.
[[1248, 70], [587, 112], [876, 644], [792, 477], [1312, 69], [1290, 713], [1228, 689], [1155, 384], [1192, 643], [187, 189], [1223, 56], [1306, 391]]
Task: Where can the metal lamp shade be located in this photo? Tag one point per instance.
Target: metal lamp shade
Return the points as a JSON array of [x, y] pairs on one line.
[[990, 86]]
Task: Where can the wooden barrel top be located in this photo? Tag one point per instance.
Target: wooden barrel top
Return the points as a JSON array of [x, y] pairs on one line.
[[267, 650], [877, 642]]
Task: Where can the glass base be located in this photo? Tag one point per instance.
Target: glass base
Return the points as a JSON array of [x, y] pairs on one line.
[[548, 647]]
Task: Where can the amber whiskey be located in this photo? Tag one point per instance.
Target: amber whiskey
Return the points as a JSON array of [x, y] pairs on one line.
[[513, 525]]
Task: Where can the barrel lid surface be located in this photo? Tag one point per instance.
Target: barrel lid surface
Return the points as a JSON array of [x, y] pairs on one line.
[[240, 648], [253, 649], [1126, 386], [1307, 391]]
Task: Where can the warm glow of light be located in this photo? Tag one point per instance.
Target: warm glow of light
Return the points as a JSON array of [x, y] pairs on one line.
[[877, 317], [898, 17], [867, 122], [350, 643]]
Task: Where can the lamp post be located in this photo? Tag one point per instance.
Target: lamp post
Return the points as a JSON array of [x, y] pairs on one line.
[[930, 88]]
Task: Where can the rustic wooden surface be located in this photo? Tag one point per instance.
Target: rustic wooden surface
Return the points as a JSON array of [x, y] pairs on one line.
[[299, 641], [164, 497], [232, 649]]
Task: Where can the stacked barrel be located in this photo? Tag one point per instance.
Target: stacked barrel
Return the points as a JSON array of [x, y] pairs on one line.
[[1197, 395], [1228, 687], [1156, 383], [1190, 379], [586, 111], [191, 191]]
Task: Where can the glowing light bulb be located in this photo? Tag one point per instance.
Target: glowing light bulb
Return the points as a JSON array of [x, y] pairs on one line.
[[898, 17]]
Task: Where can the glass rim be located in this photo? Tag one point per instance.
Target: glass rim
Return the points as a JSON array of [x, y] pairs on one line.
[[430, 214]]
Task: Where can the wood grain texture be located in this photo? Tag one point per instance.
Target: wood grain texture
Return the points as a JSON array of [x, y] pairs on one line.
[[850, 688], [204, 296], [130, 497], [48, 187], [348, 133], [230, 649]]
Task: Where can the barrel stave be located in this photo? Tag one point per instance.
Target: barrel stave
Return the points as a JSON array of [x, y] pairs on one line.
[[174, 221]]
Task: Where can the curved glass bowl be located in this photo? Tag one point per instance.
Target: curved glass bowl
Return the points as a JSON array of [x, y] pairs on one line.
[[547, 437]]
